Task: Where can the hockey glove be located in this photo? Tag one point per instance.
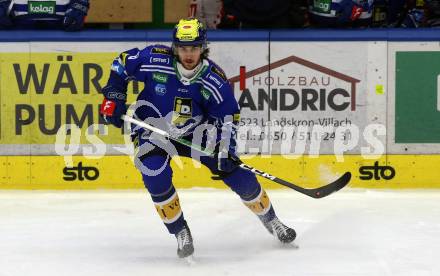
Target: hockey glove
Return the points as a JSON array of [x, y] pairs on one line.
[[227, 159], [75, 15], [5, 21], [113, 106], [351, 10], [227, 162], [414, 19]]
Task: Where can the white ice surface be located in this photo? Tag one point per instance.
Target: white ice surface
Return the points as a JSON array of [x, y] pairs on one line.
[[352, 232]]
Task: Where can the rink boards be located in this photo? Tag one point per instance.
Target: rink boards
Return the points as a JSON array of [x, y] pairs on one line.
[[119, 172], [383, 86]]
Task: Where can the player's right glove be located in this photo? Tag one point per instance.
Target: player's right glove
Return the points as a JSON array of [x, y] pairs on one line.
[[227, 161], [5, 21], [113, 106]]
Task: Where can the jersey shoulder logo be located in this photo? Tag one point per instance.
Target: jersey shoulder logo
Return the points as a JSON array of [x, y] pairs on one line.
[[219, 72], [215, 80], [128, 55], [162, 51], [122, 58]]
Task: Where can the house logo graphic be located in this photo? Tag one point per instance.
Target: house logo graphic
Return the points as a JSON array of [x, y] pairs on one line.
[[293, 83]]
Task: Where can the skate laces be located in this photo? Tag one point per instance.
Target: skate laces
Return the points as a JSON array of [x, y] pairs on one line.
[[183, 237], [278, 226]]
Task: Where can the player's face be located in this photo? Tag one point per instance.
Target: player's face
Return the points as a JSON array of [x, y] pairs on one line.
[[189, 56]]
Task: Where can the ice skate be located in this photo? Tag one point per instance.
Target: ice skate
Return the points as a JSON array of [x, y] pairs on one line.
[[185, 247], [282, 232]]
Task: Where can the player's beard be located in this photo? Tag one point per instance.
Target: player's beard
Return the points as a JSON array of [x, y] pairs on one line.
[[190, 63]]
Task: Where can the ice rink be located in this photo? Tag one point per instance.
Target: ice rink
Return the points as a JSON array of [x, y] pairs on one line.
[[352, 232]]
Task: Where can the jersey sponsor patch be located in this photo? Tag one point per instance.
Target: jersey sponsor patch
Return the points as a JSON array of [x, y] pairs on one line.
[[215, 80], [218, 72], [205, 93], [163, 51], [322, 6], [159, 60], [236, 117], [160, 77], [41, 7], [122, 58], [182, 110], [160, 89]]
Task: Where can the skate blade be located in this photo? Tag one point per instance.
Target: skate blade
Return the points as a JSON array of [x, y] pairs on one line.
[[292, 245], [190, 261], [288, 246]]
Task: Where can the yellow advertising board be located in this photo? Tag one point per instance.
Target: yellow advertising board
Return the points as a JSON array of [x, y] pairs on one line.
[[119, 172], [41, 92]]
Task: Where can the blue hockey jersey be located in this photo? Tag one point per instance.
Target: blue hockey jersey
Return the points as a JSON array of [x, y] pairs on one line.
[[184, 103]]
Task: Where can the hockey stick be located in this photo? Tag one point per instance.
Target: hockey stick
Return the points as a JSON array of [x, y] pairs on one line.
[[319, 192]]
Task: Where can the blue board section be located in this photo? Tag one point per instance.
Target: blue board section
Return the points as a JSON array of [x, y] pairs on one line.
[[165, 35]]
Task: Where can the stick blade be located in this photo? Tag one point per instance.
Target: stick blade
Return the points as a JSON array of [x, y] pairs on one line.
[[328, 189]]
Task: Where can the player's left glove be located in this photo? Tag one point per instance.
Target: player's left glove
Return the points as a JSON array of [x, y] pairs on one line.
[[75, 15]]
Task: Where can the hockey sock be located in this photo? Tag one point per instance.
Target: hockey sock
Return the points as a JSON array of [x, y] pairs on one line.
[[261, 205], [168, 208]]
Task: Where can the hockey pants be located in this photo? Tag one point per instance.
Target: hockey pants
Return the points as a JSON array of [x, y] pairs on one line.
[[165, 197]]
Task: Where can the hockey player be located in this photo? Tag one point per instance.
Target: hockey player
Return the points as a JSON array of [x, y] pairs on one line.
[[341, 13], [182, 82], [56, 14]]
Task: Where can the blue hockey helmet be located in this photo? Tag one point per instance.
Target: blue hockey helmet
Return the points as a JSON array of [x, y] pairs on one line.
[[189, 32]]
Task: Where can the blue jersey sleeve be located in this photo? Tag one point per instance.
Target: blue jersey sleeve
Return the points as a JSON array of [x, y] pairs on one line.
[[127, 64], [222, 107], [223, 104], [126, 67], [134, 64], [218, 91]]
